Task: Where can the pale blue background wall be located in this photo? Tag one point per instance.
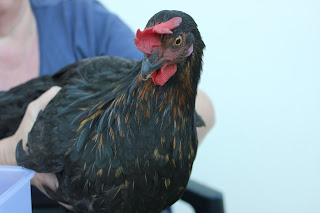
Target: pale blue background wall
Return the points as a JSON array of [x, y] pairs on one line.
[[262, 72]]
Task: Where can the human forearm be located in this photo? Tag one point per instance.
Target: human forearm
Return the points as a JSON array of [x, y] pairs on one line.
[[205, 109]]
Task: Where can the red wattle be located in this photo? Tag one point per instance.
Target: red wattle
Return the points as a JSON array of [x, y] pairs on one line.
[[164, 74]]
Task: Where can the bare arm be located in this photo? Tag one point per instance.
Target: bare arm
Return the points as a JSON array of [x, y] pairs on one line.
[[205, 109]]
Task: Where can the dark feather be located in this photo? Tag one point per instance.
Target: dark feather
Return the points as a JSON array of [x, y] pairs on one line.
[[199, 121]]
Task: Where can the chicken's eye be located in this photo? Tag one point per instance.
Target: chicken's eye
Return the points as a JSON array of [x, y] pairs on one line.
[[178, 41]]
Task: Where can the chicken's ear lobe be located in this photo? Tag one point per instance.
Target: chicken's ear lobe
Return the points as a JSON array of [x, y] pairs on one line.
[[190, 50]]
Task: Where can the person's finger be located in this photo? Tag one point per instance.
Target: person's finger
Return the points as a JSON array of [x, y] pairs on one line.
[[49, 180], [70, 208], [40, 103], [46, 97], [45, 179]]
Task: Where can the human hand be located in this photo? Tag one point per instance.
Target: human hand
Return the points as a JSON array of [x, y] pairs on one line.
[[31, 114], [9, 144]]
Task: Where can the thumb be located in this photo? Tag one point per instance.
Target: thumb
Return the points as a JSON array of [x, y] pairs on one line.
[[46, 97], [33, 110], [40, 103]]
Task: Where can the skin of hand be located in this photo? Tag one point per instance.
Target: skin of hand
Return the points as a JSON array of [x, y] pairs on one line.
[[8, 145]]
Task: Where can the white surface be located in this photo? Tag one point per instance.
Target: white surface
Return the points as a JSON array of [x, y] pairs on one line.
[[262, 72]]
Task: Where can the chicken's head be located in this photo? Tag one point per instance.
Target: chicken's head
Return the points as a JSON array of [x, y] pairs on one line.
[[166, 41]]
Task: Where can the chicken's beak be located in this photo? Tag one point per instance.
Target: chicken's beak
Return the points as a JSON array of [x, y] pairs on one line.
[[150, 64]]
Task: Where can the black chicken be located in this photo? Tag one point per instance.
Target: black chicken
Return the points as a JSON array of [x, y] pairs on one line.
[[121, 134]]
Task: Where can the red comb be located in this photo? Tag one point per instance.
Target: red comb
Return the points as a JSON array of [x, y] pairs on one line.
[[147, 39], [166, 27]]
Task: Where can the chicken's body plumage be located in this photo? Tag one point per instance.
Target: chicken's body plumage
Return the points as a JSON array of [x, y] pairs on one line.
[[116, 141]]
